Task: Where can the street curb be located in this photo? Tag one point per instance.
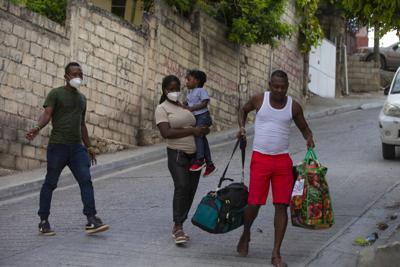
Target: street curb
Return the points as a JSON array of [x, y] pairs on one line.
[[342, 109], [157, 152], [96, 172], [346, 227]]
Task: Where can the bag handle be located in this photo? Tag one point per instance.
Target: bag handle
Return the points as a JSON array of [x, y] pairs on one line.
[[242, 141], [310, 155]]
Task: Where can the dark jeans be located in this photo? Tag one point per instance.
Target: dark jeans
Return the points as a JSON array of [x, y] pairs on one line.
[[185, 183], [74, 156], [202, 147]]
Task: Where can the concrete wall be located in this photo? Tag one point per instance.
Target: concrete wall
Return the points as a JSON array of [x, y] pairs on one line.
[[33, 52], [363, 76], [123, 67]]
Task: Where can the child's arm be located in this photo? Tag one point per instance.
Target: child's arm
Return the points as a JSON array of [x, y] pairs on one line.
[[205, 99], [202, 105]]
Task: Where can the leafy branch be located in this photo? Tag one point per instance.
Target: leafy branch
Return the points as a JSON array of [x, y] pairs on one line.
[[310, 30]]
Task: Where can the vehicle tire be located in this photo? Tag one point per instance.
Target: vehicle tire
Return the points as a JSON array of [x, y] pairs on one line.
[[382, 60], [388, 151]]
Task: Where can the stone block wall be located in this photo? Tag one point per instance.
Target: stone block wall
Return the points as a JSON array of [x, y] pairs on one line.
[[33, 53], [111, 52], [123, 68], [289, 58], [363, 76]]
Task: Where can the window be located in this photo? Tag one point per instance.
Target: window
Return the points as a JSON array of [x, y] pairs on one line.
[[118, 7], [396, 85]]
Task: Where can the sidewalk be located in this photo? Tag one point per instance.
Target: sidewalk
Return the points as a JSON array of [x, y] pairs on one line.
[[23, 183], [341, 250]]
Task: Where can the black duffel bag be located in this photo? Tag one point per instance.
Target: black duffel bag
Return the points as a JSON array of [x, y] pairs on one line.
[[222, 210]]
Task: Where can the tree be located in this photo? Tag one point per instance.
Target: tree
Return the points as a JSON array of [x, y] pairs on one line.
[[256, 21], [248, 21], [383, 15]]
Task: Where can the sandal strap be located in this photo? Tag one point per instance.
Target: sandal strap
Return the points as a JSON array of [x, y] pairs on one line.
[[179, 233]]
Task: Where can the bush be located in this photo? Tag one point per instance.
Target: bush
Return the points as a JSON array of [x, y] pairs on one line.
[[53, 9]]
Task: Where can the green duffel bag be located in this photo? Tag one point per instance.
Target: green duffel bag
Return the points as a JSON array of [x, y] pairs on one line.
[[222, 210]]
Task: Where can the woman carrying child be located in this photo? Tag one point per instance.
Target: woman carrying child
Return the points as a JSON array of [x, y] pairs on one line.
[[178, 126]]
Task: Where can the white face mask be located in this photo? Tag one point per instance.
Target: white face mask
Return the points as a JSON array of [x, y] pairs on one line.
[[75, 82], [173, 96]]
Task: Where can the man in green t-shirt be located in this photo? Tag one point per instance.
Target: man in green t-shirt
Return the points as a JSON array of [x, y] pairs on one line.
[[66, 107]]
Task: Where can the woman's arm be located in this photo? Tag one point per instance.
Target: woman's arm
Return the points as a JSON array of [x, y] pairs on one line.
[[174, 133]]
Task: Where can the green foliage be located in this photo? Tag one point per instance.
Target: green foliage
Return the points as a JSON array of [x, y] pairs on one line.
[[184, 6], [310, 30], [148, 5], [54, 10], [384, 14], [252, 21], [248, 21], [256, 21]]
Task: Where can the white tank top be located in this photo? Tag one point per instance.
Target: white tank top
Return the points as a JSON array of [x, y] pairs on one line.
[[272, 128]]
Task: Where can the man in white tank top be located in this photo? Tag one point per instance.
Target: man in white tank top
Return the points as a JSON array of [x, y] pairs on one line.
[[271, 163]]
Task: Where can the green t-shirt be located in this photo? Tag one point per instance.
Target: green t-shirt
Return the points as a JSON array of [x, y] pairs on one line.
[[69, 108]]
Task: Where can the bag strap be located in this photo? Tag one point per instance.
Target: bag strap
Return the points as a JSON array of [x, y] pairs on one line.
[[242, 141], [243, 144], [310, 155]]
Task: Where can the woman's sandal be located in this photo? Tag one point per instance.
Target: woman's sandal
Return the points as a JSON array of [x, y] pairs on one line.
[[179, 237], [187, 237], [277, 262], [174, 231]]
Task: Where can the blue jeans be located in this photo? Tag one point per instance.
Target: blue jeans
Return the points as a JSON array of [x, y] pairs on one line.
[[74, 156], [202, 147]]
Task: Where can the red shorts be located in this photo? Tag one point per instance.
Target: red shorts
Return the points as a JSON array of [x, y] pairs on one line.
[[276, 169]]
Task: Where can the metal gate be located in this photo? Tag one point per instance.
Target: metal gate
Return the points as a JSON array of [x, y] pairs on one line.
[[322, 69]]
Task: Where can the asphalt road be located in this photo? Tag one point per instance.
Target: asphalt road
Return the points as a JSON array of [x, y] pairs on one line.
[[137, 204]]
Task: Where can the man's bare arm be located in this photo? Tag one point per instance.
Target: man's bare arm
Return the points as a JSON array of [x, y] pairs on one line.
[[44, 119], [86, 142], [244, 111], [301, 123], [85, 135]]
